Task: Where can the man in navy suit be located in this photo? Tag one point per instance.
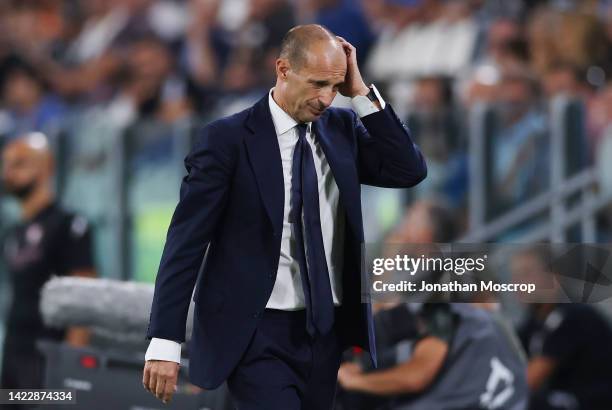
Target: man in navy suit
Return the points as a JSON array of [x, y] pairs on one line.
[[272, 197]]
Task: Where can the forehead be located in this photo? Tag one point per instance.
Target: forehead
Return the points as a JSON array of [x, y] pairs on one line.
[[325, 60], [17, 152]]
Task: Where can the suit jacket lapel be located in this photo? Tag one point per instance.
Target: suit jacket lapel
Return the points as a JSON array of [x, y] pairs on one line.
[[264, 155], [342, 163]]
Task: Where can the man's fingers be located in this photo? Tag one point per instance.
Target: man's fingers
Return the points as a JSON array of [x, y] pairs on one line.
[[152, 383], [146, 375], [349, 49], [159, 389], [160, 378], [169, 390], [345, 43]]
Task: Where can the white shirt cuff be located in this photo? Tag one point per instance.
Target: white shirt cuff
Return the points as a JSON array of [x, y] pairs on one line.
[[163, 349], [363, 106]]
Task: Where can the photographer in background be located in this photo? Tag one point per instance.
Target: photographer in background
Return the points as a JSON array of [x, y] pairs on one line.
[[438, 355], [49, 241]]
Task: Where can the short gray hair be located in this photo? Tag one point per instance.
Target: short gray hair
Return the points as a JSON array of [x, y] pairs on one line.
[[297, 41]]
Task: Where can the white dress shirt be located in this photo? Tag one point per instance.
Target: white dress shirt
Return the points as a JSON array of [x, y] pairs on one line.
[[287, 293]]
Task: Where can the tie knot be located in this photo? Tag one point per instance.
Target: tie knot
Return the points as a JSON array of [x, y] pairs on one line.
[[301, 128]]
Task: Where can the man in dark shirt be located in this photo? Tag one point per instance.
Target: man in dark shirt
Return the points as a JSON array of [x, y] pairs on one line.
[[569, 348], [49, 241], [570, 364]]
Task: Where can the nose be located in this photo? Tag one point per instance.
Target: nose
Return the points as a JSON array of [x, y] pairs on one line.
[[326, 98]]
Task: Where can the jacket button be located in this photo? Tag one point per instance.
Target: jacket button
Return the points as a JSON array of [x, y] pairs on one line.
[[256, 314]]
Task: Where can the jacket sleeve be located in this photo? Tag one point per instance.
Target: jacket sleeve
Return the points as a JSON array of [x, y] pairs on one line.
[[387, 157], [203, 193]]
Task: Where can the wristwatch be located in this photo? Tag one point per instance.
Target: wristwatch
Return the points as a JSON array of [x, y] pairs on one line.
[[372, 95], [366, 104]]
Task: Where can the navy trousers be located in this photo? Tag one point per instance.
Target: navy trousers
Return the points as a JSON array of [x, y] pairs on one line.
[[284, 368]]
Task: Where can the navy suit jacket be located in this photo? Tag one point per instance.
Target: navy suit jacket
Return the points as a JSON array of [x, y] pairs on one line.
[[231, 208]]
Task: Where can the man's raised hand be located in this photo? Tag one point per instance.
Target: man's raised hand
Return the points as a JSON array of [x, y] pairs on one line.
[[353, 82]]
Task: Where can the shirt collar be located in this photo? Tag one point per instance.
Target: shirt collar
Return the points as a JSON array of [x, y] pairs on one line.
[[282, 121]]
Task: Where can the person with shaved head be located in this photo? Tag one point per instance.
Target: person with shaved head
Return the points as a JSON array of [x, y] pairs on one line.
[[272, 197], [48, 241]]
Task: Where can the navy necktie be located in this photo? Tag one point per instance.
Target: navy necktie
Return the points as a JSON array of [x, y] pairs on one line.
[[309, 238]]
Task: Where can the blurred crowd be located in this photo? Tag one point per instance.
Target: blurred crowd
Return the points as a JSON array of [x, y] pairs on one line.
[[169, 60], [106, 65]]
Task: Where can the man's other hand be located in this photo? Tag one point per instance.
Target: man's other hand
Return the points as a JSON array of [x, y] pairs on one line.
[[160, 378]]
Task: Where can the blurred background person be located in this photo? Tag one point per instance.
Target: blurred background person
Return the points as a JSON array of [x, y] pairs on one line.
[[518, 150], [28, 103], [568, 344], [438, 355], [461, 356], [434, 119], [49, 241]]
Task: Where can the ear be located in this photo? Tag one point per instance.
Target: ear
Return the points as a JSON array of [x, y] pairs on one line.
[[282, 67]]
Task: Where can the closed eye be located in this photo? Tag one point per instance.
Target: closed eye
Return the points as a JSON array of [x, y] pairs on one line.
[[319, 84], [323, 83]]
